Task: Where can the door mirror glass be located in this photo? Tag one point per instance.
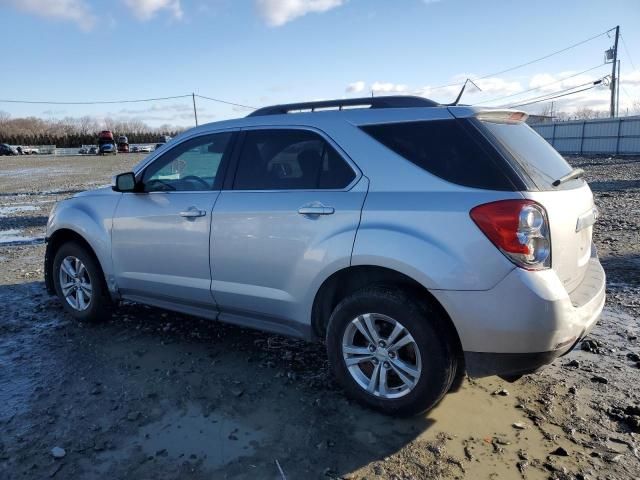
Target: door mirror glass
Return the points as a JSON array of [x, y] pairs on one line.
[[125, 182]]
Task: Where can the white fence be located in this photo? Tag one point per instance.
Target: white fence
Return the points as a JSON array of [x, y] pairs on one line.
[[53, 150], [610, 136]]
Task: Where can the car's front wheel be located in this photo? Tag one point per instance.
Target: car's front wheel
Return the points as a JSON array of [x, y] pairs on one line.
[[391, 352], [79, 283]]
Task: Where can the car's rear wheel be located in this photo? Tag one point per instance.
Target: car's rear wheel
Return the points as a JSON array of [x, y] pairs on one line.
[[79, 283], [391, 352]]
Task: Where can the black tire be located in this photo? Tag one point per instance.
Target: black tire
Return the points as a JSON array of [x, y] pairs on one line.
[[423, 322], [100, 304]]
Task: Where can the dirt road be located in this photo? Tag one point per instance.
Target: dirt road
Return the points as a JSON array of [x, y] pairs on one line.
[[152, 394]]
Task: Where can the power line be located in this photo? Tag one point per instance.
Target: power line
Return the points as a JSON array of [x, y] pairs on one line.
[[226, 102], [541, 86], [528, 63], [553, 97], [137, 100], [94, 102], [557, 91], [624, 44]]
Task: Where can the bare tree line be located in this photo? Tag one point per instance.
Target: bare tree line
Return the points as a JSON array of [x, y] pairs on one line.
[[584, 113], [75, 131]]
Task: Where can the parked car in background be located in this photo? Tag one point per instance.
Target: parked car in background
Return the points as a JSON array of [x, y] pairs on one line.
[[135, 149], [83, 150], [420, 241], [30, 150], [93, 151], [106, 143], [107, 149], [6, 149], [123, 144], [164, 139], [144, 149]]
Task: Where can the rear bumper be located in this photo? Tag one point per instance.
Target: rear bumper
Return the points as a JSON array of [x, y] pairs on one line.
[[526, 321]]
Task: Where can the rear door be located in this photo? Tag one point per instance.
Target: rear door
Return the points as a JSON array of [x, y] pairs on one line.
[[291, 214], [570, 206]]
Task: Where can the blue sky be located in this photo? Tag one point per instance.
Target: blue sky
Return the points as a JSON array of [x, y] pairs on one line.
[[258, 52]]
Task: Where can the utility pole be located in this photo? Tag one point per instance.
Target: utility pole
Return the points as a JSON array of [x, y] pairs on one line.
[[618, 93], [195, 112], [614, 79]]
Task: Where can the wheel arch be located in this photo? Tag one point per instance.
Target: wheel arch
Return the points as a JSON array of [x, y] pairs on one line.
[[54, 242], [351, 279]]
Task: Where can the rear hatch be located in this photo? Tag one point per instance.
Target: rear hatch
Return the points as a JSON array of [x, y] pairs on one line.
[[569, 205]]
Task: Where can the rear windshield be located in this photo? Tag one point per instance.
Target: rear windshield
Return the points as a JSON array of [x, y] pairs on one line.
[[540, 161], [447, 149]]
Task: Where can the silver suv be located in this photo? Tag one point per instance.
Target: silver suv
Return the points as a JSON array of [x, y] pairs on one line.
[[420, 241]]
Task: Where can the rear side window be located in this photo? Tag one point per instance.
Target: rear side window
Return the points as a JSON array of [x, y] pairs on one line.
[[541, 162], [444, 148], [281, 159]]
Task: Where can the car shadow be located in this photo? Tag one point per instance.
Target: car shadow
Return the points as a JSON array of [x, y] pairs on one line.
[[229, 401]]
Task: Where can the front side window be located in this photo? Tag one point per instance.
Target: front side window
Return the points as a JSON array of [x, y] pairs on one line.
[[190, 166], [281, 159]]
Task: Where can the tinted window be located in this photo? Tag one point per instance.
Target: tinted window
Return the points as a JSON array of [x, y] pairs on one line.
[[190, 166], [290, 160], [532, 152], [444, 148]]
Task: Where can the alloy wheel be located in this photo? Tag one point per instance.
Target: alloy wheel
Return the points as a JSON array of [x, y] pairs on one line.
[[381, 355], [75, 283]]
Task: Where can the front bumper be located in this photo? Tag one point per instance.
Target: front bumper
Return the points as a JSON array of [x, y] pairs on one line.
[[526, 321]]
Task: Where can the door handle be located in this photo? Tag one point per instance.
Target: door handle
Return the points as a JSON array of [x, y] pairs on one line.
[[193, 212], [316, 210]]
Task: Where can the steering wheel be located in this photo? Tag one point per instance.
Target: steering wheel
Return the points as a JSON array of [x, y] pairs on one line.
[[199, 180], [155, 185]]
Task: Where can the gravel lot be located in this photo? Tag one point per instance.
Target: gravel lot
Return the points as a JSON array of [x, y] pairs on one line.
[[152, 394]]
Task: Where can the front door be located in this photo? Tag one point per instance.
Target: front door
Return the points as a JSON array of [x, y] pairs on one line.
[[160, 240]]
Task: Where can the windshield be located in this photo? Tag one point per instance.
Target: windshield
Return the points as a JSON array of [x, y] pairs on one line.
[[542, 163]]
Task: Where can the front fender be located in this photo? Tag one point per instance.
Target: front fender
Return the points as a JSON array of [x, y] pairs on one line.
[[90, 217]]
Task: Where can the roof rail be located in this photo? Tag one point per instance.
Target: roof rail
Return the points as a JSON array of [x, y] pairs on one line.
[[392, 101]]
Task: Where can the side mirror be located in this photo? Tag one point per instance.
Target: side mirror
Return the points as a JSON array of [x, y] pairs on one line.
[[125, 182]]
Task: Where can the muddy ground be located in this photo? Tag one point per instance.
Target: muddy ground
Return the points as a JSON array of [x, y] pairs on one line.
[[152, 394]]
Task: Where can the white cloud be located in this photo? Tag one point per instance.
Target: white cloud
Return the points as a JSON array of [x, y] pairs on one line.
[[387, 87], [495, 85], [632, 78], [146, 9], [76, 11], [498, 91], [278, 12], [356, 87]]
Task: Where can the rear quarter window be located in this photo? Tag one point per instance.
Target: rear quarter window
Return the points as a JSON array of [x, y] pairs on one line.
[[447, 149], [531, 153]]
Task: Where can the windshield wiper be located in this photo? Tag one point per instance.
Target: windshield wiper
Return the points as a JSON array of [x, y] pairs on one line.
[[573, 174]]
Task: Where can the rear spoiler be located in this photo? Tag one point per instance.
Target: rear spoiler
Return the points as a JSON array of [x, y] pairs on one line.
[[502, 116]]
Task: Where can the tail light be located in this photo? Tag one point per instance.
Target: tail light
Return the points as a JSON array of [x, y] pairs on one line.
[[520, 230]]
